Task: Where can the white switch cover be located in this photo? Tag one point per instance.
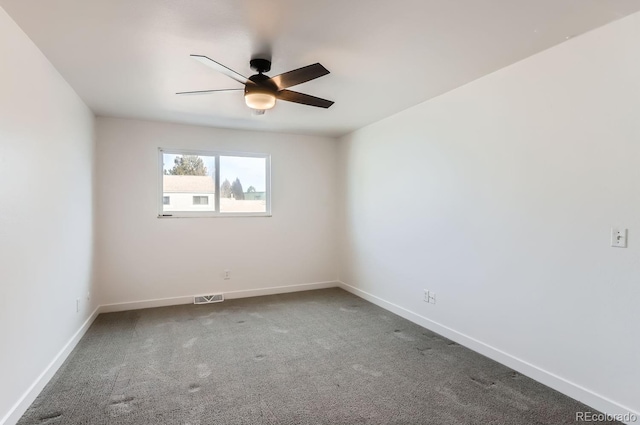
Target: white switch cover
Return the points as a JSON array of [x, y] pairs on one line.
[[618, 237]]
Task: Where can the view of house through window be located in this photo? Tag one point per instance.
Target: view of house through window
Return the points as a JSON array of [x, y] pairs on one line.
[[191, 184], [186, 181]]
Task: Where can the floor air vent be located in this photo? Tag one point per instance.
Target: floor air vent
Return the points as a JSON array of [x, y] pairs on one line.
[[208, 299]]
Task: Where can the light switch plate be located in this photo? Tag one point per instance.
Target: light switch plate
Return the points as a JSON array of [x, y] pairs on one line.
[[618, 237]]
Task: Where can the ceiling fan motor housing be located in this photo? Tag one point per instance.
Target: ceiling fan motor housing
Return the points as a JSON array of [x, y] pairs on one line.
[[261, 84]]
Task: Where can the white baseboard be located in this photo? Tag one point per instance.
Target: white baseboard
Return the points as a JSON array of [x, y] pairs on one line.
[[188, 299], [138, 305], [575, 391], [280, 290], [23, 403]]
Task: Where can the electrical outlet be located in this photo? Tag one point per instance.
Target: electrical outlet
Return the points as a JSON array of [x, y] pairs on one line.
[[429, 297], [88, 296], [432, 298], [227, 274], [77, 305]]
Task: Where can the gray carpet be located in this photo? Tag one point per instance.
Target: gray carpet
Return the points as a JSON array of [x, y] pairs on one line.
[[316, 357]]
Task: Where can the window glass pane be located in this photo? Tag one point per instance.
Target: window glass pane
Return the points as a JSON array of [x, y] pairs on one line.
[[188, 182], [243, 184], [200, 200]]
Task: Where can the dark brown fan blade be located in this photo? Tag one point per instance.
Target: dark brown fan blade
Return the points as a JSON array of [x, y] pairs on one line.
[[207, 91], [221, 68], [299, 76], [305, 99]]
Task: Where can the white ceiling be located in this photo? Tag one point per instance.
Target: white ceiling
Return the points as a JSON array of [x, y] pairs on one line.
[[127, 58]]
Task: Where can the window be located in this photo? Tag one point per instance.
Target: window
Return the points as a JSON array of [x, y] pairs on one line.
[[200, 200], [213, 184]]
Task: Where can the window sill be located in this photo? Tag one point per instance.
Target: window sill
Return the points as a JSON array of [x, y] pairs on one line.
[[229, 215]]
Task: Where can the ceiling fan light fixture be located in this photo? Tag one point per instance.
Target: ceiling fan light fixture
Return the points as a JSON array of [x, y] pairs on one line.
[[260, 101]]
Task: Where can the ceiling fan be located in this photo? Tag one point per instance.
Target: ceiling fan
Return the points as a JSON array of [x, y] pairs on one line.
[[261, 91]]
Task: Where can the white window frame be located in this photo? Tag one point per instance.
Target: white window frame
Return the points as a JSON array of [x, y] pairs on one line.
[[216, 198]]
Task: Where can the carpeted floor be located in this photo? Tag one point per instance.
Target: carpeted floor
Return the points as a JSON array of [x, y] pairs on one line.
[[317, 357]]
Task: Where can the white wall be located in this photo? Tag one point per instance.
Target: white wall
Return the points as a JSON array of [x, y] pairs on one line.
[[499, 197], [46, 160], [142, 257]]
